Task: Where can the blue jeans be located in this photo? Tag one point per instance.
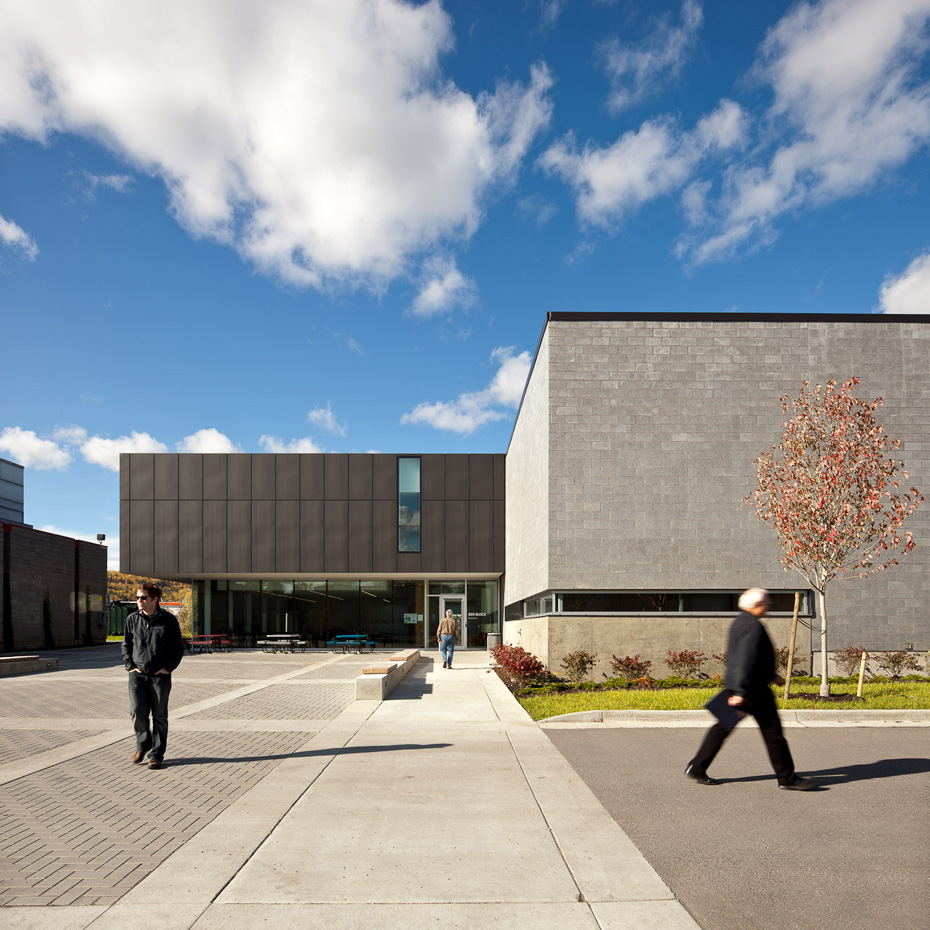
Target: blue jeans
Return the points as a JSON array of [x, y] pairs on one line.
[[148, 695], [447, 647]]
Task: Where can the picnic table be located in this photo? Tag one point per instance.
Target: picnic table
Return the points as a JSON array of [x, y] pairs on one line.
[[210, 642], [351, 642], [282, 642]]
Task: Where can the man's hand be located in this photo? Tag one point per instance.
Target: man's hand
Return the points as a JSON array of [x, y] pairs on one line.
[[735, 700], [133, 670], [163, 671]]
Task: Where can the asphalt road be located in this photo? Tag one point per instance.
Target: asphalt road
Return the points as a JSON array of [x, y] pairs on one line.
[[747, 856]]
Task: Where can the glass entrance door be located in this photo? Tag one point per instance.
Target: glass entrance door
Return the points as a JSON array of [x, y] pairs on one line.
[[457, 605]]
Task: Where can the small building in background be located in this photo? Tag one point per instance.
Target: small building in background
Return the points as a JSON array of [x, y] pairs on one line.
[[53, 587]]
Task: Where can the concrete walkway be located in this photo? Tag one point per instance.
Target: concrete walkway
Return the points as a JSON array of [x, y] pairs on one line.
[[444, 806]]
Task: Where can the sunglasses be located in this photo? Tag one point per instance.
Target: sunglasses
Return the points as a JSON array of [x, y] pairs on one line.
[[140, 597]]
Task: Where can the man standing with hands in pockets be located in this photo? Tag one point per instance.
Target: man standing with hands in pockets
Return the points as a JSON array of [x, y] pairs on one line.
[[152, 650]]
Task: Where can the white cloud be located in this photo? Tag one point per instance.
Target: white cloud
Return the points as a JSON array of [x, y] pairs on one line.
[[643, 164], [106, 452], [444, 288], [207, 440], [111, 542], [469, 411], [69, 435], [17, 239], [319, 139], [849, 104], [274, 444], [637, 70], [909, 292], [26, 448], [121, 183], [325, 419]]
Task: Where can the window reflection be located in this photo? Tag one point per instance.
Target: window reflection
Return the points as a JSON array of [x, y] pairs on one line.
[[408, 504]]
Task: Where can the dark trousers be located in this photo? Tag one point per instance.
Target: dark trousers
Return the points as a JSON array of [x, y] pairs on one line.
[[148, 696], [762, 707]]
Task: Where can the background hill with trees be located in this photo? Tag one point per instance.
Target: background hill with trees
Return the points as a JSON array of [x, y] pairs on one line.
[[122, 587]]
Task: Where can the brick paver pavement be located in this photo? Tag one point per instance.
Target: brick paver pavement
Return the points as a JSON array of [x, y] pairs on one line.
[[86, 830]]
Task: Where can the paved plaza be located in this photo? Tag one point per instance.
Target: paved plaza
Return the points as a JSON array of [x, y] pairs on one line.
[[285, 801]]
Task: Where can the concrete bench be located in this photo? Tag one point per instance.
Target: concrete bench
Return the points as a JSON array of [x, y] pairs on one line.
[[377, 681], [23, 665]]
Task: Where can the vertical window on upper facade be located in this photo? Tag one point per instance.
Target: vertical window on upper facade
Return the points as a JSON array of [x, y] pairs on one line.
[[408, 504]]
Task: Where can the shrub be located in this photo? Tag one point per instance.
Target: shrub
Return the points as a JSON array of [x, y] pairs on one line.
[[781, 660], [685, 664], [630, 667], [848, 659], [896, 662], [577, 664], [516, 667]]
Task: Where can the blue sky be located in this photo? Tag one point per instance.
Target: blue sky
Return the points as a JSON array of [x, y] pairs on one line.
[[274, 225]]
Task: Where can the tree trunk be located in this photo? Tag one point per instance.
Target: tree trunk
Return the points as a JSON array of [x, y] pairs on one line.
[[824, 680]]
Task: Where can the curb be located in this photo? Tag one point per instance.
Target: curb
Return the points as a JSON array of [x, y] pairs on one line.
[[703, 718]]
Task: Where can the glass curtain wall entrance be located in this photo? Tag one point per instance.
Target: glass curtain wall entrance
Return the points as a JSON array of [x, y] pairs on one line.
[[392, 613]]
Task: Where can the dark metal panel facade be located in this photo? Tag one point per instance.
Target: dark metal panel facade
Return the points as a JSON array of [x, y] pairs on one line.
[[311, 537], [190, 477], [141, 536], [124, 489], [433, 533], [336, 535], [500, 537], [214, 476], [125, 517], [190, 535], [457, 477], [214, 534], [142, 476], [432, 478], [263, 536], [500, 477], [239, 536], [457, 541], [384, 537], [384, 477], [360, 477], [166, 536], [311, 477], [336, 476], [166, 477], [263, 477], [287, 536], [307, 514], [239, 476], [287, 476], [481, 478], [359, 540]]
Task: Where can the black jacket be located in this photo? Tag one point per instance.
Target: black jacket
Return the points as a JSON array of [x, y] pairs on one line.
[[152, 643], [750, 657]]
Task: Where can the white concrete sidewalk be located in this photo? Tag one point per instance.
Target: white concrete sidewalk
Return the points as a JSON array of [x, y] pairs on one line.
[[444, 806]]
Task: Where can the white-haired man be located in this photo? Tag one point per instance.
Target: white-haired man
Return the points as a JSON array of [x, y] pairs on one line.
[[750, 671]]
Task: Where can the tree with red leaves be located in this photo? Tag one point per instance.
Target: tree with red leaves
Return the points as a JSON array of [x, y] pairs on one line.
[[831, 493]]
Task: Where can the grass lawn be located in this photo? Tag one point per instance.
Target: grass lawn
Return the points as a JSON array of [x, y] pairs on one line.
[[876, 695]]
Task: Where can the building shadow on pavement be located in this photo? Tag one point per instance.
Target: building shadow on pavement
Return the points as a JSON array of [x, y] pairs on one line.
[[338, 751]]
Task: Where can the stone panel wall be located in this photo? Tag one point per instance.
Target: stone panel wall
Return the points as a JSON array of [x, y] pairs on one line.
[[653, 428]]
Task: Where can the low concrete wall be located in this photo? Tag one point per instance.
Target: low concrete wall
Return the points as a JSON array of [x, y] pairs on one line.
[[552, 638], [23, 665], [378, 680]]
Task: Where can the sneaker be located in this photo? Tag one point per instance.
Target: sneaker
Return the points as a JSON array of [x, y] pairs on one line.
[[801, 783], [702, 778]]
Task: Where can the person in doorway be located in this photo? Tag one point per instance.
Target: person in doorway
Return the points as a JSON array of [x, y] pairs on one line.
[[152, 650], [446, 634], [750, 670]]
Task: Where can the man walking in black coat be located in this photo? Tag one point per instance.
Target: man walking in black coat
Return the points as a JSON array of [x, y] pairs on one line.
[[750, 671], [152, 650]]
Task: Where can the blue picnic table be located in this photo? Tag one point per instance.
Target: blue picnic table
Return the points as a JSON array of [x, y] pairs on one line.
[[351, 642]]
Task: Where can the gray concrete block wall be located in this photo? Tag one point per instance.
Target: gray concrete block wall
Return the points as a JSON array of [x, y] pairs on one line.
[[527, 514], [653, 429], [44, 563]]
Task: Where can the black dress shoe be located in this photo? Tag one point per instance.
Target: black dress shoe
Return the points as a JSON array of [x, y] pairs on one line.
[[702, 778], [801, 784]]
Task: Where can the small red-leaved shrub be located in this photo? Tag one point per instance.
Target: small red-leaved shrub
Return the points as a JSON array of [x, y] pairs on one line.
[[516, 667]]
